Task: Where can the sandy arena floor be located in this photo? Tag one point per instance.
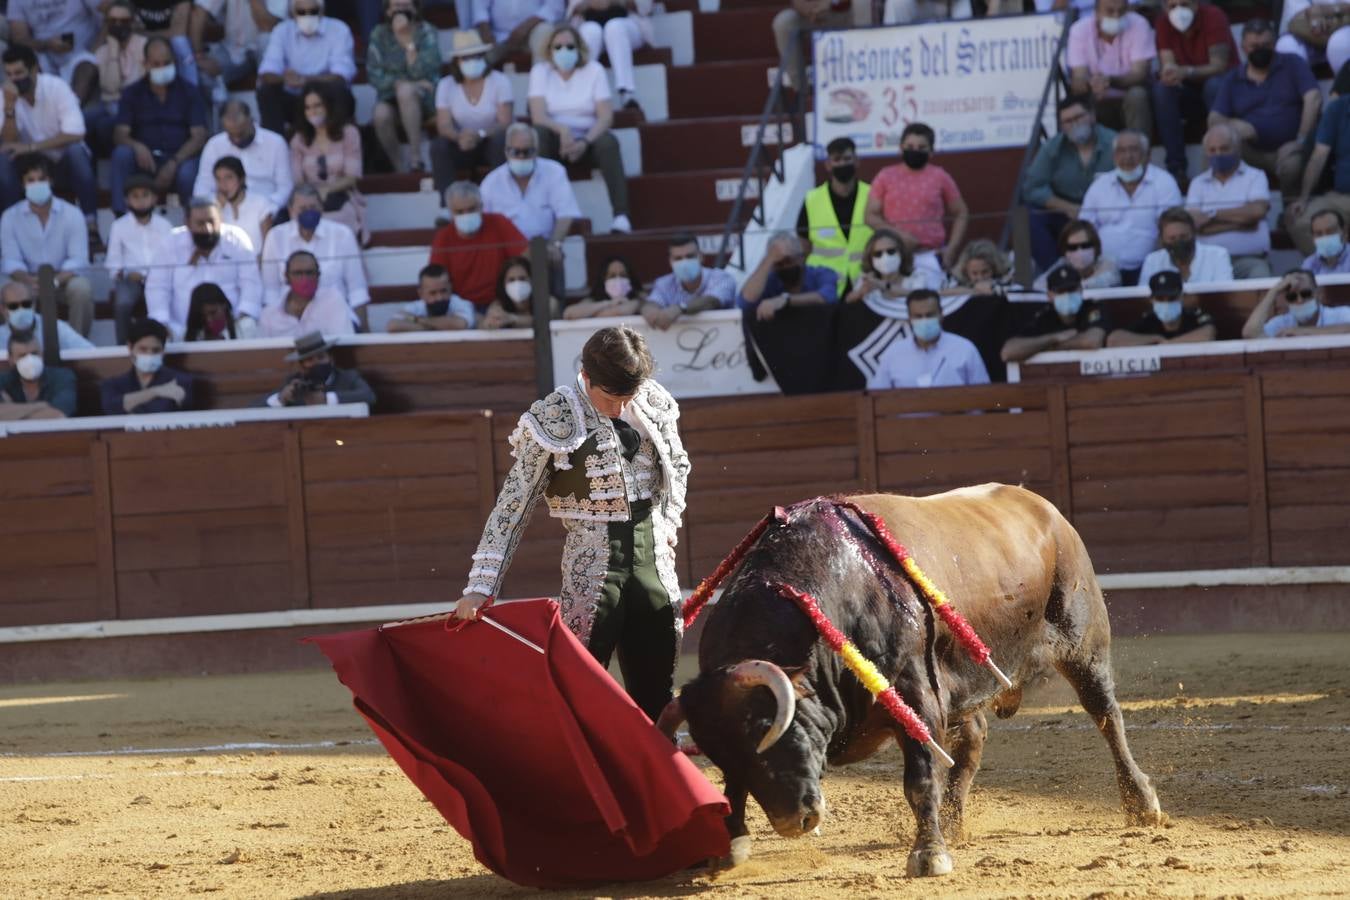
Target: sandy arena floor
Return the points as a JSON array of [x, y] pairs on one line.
[[285, 794]]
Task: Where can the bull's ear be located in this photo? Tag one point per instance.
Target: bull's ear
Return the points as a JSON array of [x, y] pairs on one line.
[[800, 685]]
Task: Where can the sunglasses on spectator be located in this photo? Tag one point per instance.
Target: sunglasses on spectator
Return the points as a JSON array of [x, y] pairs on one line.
[[22, 304], [878, 254], [1081, 245], [520, 152], [564, 46], [1304, 294]]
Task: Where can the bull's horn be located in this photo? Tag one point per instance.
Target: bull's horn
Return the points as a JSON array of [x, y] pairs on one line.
[[671, 718], [754, 672]]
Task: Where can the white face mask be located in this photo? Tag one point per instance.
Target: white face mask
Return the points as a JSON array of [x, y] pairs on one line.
[[163, 75], [886, 263], [519, 291], [308, 25], [30, 367], [618, 288], [149, 363], [1110, 26], [1081, 259], [1181, 17], [473, 67]]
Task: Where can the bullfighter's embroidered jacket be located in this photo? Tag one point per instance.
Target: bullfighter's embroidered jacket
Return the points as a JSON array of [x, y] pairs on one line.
[[569, 454]]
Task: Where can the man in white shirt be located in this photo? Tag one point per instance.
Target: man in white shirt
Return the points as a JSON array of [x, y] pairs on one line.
[[62, 31], [306, 307], [18, 312], [1229, 202], [204, 250], [1305, 310], [436, 307], [332, 243], [516, 25], [531, 191], [266, 158], [1196, 263], [931, 357], [133, 245], [42, 115], [308, 46], [1124, 204]]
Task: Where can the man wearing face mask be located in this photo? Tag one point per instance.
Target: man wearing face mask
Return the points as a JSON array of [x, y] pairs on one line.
[[1066, 322], [1330, 149], [1304, 313], [308, 46], [121, 62], [1169, 321], [1061, 173], [690, 287], [475, 244], [150, 386], [915, 199], [1196, 263], [317, 381], [436, 307], [783, 279], [1272, 102], [1124, 204], [1195, 47], [1331, 253], [160, 131], [306, 307], [1110, 54], [18, 314], [264, 155], [205, 249], [62, 31], [332, 243], [930, 357], [832, 220], [1229, 202], [132, 247], [31, 389]]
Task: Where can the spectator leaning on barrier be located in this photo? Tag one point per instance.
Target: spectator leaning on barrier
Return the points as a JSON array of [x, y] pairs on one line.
[[42, 115], [1197, 263], [45, 230], [62, 33], [1066, 322], [689, 288], [1316, 30], [133, 246], [1062, 171], [249, 212], [436, 307], [1304, 311], [1080, 248], [516, 26], [887, 270], [18, 313], [1272, 102], [326, 153], [317, 381], [160, 130], [332, 243], [205, 249], [305, 306], [403, 64], [617, 292], [1124, 204], [981, 270], [1229, 202], [29, 389], [571, 109], [245, 24], [929, 356], [1331, 255], [475, 245], [474, 107], [121, 63], [149, 386], [833, 216], [514, 305], [210, 315], [783, 279], [914, 198], [1195, 47], [308, 46], [616, 28], [1110, 54], [1169, 321], [1332, 145], [264, 154]]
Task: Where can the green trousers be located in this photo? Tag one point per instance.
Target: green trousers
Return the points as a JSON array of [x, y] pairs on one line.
[[635, 615]]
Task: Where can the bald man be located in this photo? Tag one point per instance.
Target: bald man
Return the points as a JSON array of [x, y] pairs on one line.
[[1229, 202]]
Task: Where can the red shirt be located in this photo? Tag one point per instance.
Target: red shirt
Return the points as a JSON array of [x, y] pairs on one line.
[[474, 262], [916, 202], [1192, 47]]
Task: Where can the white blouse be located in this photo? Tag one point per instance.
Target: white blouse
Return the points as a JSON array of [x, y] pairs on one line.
[[571, 101], [480, 116]]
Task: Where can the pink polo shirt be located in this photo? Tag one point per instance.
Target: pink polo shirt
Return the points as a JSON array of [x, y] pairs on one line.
[[1089, 50], [916, 201]]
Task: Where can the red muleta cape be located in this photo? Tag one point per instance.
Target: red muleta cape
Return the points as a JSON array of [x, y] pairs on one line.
[[540, 760]]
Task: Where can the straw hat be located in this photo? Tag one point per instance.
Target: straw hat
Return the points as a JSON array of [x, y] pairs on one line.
[[467, 43], [309, 344]]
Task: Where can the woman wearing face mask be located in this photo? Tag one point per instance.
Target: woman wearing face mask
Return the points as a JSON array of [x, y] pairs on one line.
[[210, 315], [1080, 247], [150, 386], [515, 287], [473, 109], [238, 207], [980, 270], [617, 292], [887, 270], [403, 64], [326, 152], [571, 110]]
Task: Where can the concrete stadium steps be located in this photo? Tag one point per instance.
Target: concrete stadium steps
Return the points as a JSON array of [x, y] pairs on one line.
[[736, 34], [678, 200], [686, 145], [712, 89]]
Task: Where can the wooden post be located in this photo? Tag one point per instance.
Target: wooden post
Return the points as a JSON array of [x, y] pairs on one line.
[[540, 306], [46, 305], [1056, 405], [1258, 507]]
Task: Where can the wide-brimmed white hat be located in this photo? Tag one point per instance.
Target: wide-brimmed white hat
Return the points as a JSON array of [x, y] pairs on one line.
[[467, 43]]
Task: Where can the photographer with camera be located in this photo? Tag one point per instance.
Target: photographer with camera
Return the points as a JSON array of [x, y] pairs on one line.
[[317, 381]]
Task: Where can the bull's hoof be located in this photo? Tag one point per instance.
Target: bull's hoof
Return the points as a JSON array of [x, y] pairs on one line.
[[1151, 817], [740, 852], [923, 863]]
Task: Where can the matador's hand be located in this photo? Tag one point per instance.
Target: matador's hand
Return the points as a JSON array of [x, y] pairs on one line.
[[469, 605]]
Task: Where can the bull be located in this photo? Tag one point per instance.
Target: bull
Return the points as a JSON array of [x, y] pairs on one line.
[[772, 705]]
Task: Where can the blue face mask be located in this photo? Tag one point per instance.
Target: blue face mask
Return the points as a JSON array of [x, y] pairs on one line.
[[1167, 310], [468, 223], [1224, 163], [22, 319], [926, 330], [1329, 246], [687, 269], [1130, 176], [1068, 304], [38, 193], [1305, 313], [565, 59], [521, 168], [309, 219]]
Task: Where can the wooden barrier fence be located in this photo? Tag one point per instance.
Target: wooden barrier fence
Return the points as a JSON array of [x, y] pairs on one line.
[[1170, 472]]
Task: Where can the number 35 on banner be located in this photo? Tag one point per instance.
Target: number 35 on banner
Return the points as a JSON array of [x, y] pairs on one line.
[[899, 109]]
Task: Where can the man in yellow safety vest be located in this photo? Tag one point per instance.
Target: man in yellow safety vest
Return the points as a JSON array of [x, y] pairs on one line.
[[832, 215]]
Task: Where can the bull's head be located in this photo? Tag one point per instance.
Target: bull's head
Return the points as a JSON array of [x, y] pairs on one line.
[[748, 721]]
